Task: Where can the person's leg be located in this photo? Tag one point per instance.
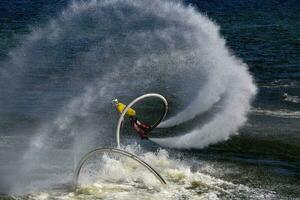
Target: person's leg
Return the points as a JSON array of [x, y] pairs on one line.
[[142, 133], [143, 125], [132, 120]]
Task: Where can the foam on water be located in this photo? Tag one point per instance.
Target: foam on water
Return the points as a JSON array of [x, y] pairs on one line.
[[291, 98], [124, 179], [278, 113]]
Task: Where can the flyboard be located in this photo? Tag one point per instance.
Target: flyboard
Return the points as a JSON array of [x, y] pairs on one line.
[[118, 150]]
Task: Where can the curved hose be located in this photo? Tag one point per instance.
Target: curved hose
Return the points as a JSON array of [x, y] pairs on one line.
[[134, 102], [118, 151]]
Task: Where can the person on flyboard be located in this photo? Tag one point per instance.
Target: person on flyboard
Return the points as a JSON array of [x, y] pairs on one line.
[[140, 127]]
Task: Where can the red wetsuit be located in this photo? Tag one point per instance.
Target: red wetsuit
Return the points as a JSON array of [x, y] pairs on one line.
[[141, 128]]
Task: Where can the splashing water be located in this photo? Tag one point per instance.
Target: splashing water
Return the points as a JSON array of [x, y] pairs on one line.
[[97, 50], [114, 178]]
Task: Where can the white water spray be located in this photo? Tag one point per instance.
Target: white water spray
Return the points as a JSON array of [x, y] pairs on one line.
[[98, 50]]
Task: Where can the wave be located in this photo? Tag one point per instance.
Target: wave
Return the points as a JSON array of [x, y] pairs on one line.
[[283, 83], [278, 113], [290, 98]]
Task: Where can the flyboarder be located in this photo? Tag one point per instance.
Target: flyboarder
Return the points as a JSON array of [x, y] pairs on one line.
[[141, 128]]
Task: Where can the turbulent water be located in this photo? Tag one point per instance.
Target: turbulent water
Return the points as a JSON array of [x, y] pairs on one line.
[[60, 73]]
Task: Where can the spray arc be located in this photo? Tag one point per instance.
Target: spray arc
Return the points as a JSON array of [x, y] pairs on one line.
[[159, 41]]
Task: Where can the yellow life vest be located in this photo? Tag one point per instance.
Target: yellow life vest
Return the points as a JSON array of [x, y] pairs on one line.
[[130, 112]]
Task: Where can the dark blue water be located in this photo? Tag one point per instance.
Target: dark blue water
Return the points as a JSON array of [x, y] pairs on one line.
[[264, 34]]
